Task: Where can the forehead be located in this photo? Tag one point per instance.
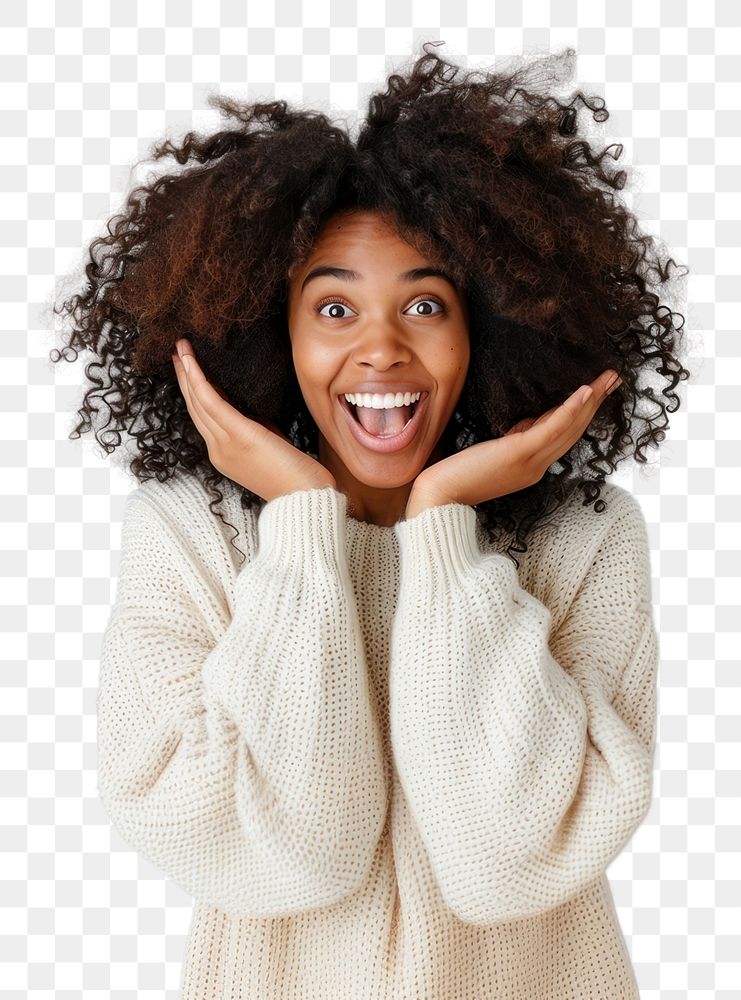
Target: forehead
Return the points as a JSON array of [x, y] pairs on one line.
[[357, 229], [353, 238]]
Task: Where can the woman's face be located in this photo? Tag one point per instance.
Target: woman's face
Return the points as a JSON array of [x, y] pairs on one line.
[[371, 326]]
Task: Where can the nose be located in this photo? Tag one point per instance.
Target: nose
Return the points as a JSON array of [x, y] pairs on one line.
[[382, 345]]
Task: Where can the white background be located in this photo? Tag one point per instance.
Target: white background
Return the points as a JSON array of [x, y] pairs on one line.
[[87, 88]]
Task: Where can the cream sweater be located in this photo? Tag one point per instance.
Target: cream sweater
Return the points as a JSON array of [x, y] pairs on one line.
[[386, 763]]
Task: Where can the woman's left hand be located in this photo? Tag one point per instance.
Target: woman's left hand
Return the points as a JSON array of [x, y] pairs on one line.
[[520, 458]]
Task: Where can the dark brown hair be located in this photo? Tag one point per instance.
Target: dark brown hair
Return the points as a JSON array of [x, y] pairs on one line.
[[474, 169]]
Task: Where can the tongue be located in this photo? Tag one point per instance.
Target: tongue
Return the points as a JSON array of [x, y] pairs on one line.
[[384, 423]]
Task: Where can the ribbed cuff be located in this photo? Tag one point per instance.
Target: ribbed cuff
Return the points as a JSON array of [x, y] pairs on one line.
[[439, 543], [303, 530]]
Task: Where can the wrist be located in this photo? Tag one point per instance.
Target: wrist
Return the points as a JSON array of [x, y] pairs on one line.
[[420, 499], [319, 481]]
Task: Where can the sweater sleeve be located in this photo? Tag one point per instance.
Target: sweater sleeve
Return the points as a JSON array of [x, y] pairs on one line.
[[526, 757], [244, 758]]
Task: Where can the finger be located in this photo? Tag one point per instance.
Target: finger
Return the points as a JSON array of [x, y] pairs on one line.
[[190, 403], [522, 425], [571, 419], [562, 426], [611, 381], [604, 384], [203, 397], [600, 387], [558, 429], [182, 378], [187, 350], [584, 402]]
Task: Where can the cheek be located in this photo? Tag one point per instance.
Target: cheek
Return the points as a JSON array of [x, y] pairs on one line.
[[452, 365], [303, 364], [313, 381], [311, 376], [463, 359]]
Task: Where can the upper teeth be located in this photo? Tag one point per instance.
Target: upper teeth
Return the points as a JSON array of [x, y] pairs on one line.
[[379, 402]]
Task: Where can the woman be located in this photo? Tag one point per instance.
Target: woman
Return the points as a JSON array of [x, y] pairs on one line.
[[386, 758]]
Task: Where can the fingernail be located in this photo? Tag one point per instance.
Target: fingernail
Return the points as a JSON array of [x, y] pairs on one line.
[[186, 363]]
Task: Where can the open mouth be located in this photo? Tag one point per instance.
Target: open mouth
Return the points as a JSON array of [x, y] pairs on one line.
[[413, 407], [386, 442]]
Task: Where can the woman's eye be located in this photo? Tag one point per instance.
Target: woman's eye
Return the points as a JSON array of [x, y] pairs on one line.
[[334, 306], [426, 303]]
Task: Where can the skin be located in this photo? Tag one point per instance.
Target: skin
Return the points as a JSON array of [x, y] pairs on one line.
[[518, 459], [378, 336], [377, 333]]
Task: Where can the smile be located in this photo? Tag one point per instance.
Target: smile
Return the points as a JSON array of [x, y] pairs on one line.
[[392, 442]]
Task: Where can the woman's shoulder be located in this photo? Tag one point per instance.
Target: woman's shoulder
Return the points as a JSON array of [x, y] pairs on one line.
[[184, 490], [561, 552], [184, 508], [578, 516]]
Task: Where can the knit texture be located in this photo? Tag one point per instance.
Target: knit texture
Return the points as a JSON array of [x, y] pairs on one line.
[[384, 761]]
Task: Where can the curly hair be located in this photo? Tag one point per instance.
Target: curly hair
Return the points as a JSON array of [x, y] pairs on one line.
[[476, 170]]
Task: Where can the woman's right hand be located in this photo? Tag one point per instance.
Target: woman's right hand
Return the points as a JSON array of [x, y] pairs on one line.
[[250, 452]]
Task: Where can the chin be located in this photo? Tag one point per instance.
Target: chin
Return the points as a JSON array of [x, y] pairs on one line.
[[383, 479], [377, 470]]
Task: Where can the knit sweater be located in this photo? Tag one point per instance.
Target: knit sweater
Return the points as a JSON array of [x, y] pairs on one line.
[[386, 763]]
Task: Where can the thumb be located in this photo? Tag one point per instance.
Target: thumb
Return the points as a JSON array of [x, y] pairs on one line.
[[521, 425]]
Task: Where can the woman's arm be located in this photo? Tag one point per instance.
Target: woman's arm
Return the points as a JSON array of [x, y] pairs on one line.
[[243, 758], [526, 759]]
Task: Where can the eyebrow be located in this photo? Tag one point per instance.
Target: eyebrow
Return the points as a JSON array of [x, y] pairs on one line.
[[344, 274]]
